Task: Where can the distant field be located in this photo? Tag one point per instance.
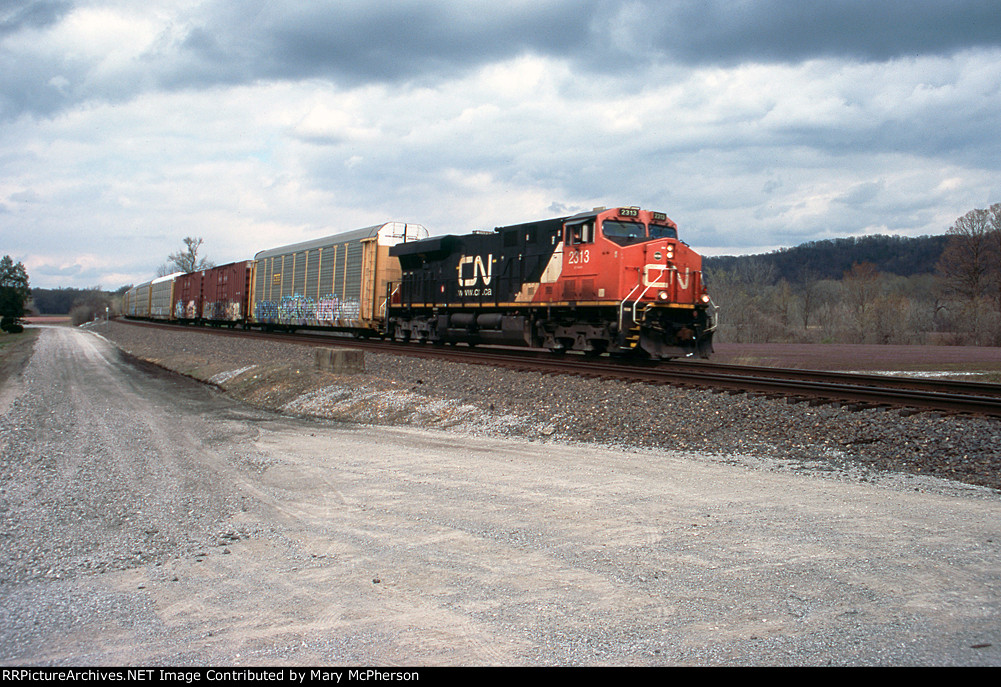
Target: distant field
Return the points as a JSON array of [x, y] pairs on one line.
[[946, 359], [48, 319]]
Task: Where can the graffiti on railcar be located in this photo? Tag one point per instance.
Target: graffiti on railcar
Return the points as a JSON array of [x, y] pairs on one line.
[[186, 310], [224, 311], [306, 310]]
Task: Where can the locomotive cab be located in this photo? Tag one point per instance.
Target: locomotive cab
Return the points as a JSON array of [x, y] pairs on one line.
[[633, 259]]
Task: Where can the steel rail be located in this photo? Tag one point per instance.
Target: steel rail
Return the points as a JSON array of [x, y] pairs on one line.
[[886, 381], [831, 387]]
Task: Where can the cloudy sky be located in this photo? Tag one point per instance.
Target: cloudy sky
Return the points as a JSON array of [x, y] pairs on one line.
[[126, 126]]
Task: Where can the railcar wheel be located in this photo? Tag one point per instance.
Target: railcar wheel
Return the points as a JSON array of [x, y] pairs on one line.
[[597, 348]]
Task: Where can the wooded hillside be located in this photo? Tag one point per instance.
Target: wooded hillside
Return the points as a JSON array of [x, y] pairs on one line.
[[872, 289], [830, 259]]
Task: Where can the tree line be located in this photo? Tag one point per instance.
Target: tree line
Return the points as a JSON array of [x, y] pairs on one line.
[[878, 289], [82, 305], [874, 289]]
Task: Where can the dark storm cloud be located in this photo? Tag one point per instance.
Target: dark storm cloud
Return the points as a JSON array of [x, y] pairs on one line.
[[350, 43], [397, 41], [394, 41], [17, 15], [727, 32], [377, 41]]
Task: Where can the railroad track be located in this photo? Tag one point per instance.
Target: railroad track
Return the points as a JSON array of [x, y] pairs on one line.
[[856, 391]]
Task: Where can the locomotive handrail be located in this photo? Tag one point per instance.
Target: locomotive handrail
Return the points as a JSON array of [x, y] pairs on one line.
[[622, 306], [715, 317]]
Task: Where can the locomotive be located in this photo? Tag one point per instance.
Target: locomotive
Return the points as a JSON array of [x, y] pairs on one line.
[[610, 280]]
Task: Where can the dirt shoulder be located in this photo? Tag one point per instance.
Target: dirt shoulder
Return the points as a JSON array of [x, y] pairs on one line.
[[15, 351]]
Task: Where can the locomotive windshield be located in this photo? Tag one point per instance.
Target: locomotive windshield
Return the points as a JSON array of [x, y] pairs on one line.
[[659, 231], [623, 233]]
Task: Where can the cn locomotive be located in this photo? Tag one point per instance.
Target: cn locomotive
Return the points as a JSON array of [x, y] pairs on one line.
[[609, 280], [613, 280]]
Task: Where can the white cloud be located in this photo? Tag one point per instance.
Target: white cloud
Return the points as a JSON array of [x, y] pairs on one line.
[[142, 139]]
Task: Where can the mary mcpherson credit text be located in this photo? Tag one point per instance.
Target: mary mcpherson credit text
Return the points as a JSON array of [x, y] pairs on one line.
[[282, 675]]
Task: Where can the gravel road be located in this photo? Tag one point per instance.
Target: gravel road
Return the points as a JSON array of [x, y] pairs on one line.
[[149, 519]]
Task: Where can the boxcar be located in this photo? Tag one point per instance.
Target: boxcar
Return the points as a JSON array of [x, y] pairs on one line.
[[187, 297], [338, 282], [226, 293]]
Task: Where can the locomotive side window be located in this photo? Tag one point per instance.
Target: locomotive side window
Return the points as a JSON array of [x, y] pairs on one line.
[[623, 232], [579, 233]]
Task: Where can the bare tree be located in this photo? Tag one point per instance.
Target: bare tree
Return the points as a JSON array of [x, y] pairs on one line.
[[861, 286], [965, 264], [808, 279], [994, 217], [968, 269], [187, 260]]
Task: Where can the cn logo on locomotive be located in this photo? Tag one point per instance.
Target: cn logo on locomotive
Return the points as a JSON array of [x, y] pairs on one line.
[[479, 271], [666, 275]]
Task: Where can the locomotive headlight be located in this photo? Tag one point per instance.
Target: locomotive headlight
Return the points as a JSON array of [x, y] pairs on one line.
[[662, 295], [705, 298]]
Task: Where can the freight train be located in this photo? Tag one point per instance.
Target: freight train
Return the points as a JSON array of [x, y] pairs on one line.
[[615, 280]]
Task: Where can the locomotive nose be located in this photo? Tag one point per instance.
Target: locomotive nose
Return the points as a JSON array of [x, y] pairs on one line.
[[660, 253]]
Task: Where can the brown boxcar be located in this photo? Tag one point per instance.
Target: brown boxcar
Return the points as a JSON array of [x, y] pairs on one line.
[[226, 293], [188, 297]]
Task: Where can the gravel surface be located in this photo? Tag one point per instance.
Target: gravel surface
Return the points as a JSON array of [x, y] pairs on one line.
[[147, 519], [98, 486], [400, 390]]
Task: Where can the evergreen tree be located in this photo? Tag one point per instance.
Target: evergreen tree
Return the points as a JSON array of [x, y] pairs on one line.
[[14, 292]]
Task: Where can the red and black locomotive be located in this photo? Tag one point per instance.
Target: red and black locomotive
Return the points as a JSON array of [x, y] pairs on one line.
[[609, 280]]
